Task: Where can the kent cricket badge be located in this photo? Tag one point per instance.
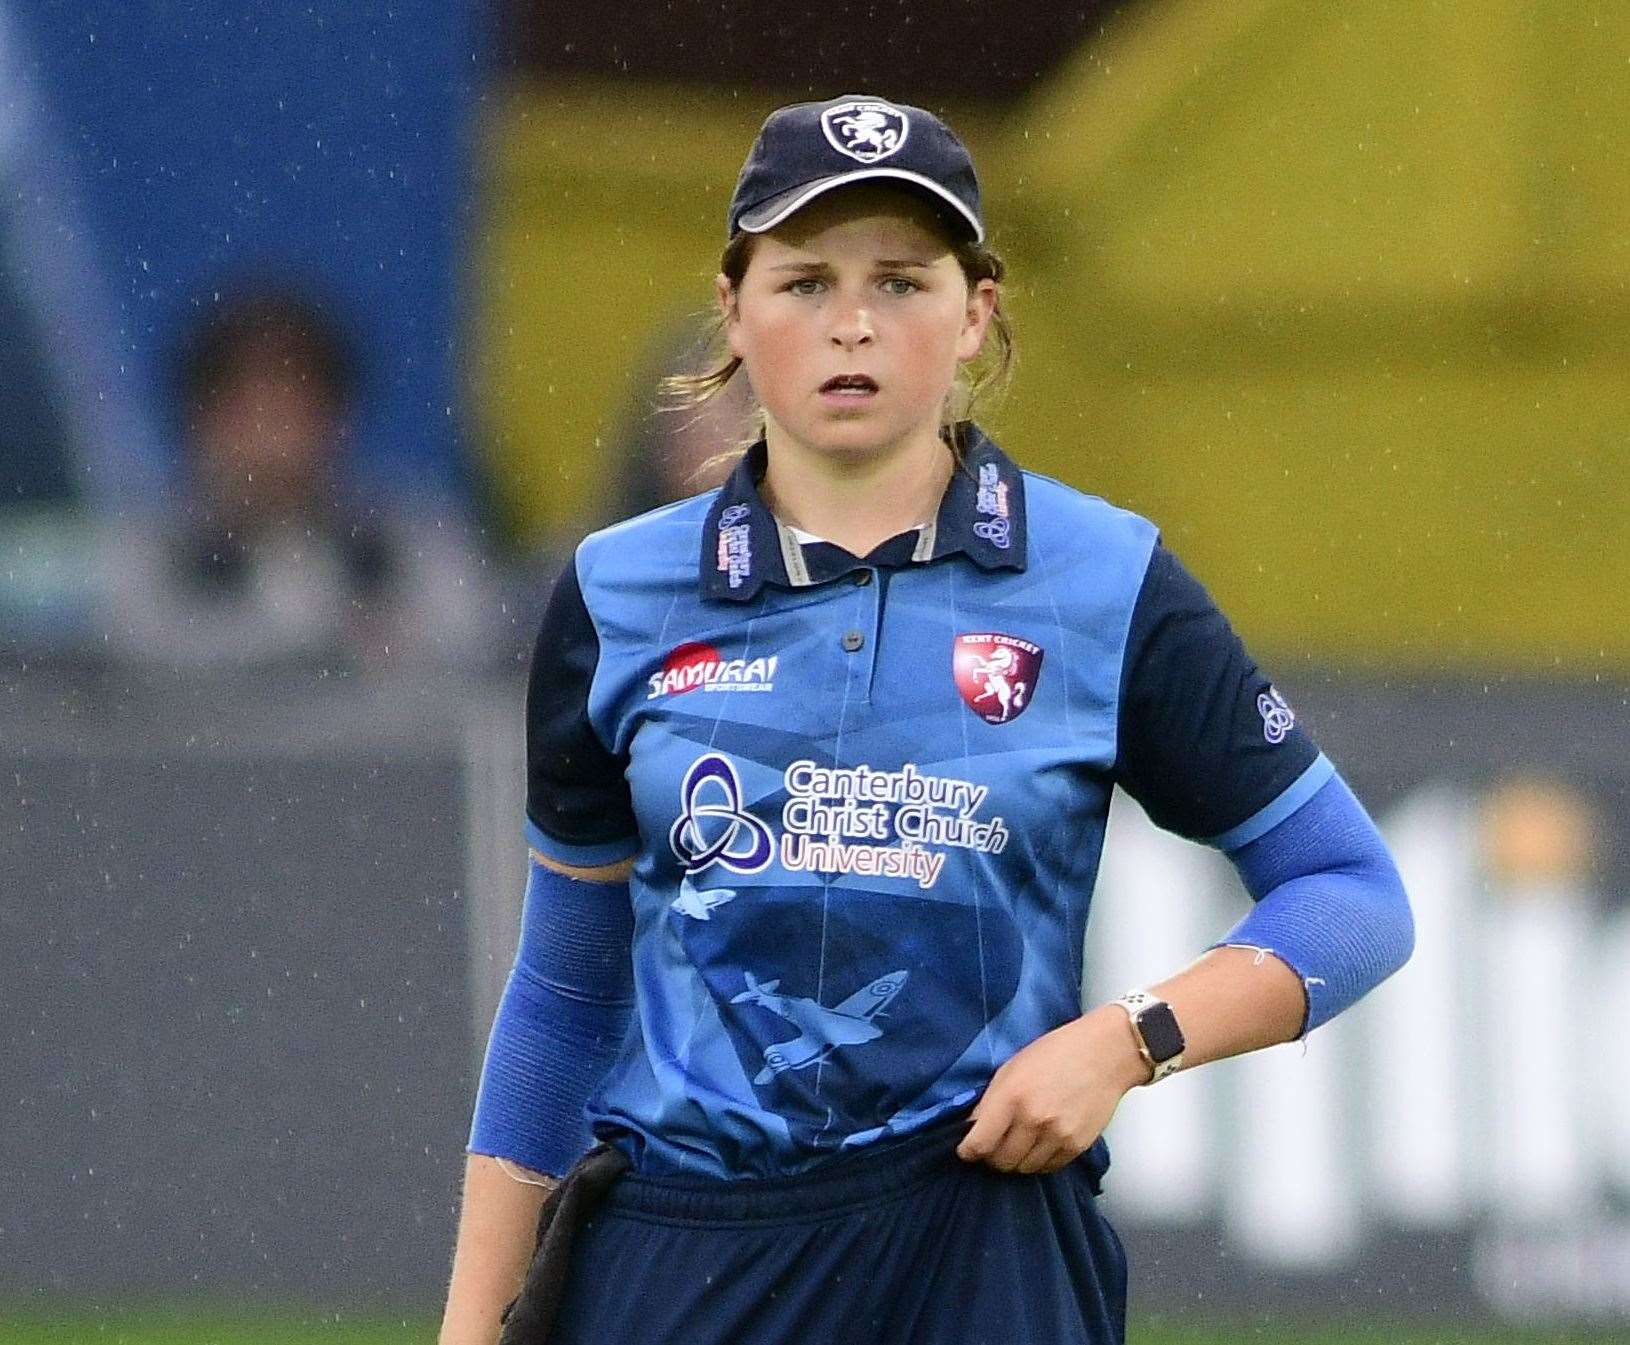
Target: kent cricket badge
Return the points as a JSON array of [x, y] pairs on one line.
[[996, 674]]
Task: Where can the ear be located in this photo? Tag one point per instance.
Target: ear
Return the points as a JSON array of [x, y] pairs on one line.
[[976, 319], [724, 294]]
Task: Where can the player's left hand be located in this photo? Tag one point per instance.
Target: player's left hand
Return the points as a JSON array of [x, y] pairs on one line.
[[1050, 1101]]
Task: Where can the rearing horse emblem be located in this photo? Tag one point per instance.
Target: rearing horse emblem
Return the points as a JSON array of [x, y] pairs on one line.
[[867, 131]]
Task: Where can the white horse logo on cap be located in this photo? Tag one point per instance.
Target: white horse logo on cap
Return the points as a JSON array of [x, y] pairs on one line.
[[865, 131]]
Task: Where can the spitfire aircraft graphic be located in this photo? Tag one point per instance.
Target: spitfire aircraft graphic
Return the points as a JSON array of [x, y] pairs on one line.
[[820, 1030]]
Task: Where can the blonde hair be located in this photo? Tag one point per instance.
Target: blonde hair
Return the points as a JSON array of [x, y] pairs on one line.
[[988, 374]]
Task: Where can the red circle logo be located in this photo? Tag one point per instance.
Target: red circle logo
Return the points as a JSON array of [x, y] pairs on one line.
[[687, 667]]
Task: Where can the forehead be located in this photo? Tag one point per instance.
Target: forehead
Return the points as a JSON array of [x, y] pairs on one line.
[[863, 219]]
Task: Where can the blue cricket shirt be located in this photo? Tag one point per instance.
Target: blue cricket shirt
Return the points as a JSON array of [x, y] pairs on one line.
[[865, 796]]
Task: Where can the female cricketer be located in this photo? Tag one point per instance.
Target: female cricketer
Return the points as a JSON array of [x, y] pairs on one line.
[[818, 770]]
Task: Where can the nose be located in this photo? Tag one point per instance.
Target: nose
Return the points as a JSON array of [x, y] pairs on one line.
[[852, 327]]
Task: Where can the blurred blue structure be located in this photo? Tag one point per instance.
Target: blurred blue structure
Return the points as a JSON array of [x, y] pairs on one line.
[[325, 143], [67, 383]]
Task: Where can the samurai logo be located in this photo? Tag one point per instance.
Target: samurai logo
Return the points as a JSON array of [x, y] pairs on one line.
[[867, 131], [713, 827], [996, 674], [1278, 719], [696, 664]]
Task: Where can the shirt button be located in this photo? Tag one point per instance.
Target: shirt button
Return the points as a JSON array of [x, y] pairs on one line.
[[852, 640], [862, 578]]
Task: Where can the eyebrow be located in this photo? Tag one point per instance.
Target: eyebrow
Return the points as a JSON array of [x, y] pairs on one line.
[[882, 264]]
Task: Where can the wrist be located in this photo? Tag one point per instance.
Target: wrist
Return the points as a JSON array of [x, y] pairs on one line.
[[1115, 1045]]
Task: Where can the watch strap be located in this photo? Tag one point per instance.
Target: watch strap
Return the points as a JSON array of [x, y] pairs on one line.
[[1163, 1057]]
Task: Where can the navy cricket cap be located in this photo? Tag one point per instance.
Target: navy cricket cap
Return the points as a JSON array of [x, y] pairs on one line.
[[807, 149]]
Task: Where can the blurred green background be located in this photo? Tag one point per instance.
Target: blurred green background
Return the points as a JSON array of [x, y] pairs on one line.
[[1334, 293]]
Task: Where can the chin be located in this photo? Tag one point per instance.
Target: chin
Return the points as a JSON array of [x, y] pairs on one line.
[[859, 437]]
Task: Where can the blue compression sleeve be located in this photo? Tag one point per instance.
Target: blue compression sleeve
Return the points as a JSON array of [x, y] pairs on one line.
[[563, 1015], [1329, 901]]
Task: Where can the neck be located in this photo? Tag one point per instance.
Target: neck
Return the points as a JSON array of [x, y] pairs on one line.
[[857, 502]]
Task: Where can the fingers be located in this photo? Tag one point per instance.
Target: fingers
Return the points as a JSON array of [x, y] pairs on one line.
[[1046, 1155], [1009, 1143], [990, 1125], [1024, 1149], [1016, 1144]]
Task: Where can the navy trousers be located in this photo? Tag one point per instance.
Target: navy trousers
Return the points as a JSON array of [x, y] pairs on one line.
[[908, 1245]]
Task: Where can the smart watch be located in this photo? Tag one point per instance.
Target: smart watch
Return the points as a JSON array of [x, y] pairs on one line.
[[1154, 1028]]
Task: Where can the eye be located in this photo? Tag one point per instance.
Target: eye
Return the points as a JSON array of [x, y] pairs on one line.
[[900, 285], [804, 285]]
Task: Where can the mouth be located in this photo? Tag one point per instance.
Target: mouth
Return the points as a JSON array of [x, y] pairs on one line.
[[849, 385]]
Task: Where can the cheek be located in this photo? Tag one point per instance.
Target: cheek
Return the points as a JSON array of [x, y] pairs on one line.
[[931, 347], [775, 350]]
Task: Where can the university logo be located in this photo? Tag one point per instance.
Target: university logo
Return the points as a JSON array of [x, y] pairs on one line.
[[735, 545], [713, 827], [697, 666], [996, 674], [991, 502], [1278, 719], [865, 130]]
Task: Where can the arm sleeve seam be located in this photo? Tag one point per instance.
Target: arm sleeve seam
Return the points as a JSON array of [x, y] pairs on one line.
[[537, 835], [632, 838], [1319, 773]]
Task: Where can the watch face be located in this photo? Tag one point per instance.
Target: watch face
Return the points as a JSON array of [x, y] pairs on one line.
[[1161, 1035]]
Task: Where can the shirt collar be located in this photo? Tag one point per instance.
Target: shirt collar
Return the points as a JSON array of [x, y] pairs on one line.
[[981, 516]]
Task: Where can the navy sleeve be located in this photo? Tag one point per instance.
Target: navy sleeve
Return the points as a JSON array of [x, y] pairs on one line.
[[578, 808], [1206, 744]]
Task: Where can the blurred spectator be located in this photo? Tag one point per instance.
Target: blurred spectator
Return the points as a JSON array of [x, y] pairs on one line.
[[276, 555], [668, 450]]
